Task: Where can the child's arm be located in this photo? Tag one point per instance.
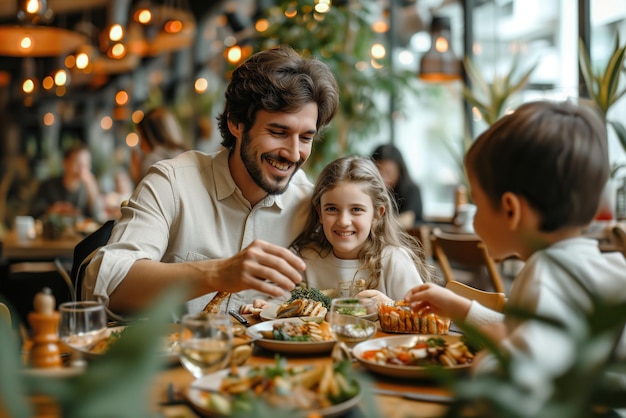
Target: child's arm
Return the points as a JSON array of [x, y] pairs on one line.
[[438, 300]]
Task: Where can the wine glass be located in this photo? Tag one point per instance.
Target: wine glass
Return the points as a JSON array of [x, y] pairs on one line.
[[82, 324], [206, 342], [346, 322]]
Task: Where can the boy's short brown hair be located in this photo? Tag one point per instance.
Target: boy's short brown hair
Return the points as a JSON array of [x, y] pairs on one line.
[[555, 155]]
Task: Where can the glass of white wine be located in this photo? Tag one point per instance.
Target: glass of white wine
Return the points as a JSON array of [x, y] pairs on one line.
[[205, 342], [346, 322], [82, 324]]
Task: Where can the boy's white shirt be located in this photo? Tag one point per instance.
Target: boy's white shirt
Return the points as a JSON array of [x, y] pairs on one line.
[[544, 288]]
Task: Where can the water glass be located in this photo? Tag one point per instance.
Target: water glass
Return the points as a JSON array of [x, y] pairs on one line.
[[206, 342], [346, 323], [82, 324]]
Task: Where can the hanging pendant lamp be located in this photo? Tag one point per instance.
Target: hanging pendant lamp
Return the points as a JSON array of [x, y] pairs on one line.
[[439, 64]]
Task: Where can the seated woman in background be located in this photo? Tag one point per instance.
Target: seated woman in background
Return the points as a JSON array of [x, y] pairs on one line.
[[161, 138], [406, 192]]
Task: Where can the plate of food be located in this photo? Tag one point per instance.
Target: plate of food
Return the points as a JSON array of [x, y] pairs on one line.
[[270, 313], [169, 345], [302, 335], [414, 356], [307, 302], [324, 390]]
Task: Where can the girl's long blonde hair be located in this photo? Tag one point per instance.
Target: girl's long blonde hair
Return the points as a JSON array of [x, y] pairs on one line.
[[386, 229]]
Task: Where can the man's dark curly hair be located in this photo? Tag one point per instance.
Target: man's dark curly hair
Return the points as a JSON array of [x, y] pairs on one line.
[[277, 80]]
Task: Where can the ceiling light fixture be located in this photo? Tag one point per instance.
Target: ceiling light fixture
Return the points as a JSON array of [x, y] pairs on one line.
[[439, 64]]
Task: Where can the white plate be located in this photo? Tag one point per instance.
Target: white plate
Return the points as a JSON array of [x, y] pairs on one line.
[[397, 370], [169, 353], [295, 347], [269, 313], [213, 381]]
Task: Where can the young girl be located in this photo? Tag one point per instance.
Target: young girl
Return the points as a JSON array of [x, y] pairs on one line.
[[353, 238], [353, 241]]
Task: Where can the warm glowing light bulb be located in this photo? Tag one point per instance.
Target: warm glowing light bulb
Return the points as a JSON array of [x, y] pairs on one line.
[[290, 14], [117, 51], [116, 33], [262, 25], [60, 77], [48, 82], [441, 44], [106, 123], [70, 61], [201, 85], [137, 116], [33, 7], [132, 139], [143, 16], [26, 42], [234, 54], [378, 51], [173, 26], [121, 98], [380, 26], [48, 119], [28, 86], [82, 60], [321, 8]]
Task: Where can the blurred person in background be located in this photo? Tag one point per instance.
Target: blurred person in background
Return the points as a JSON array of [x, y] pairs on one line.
[[161, 138], [75, 193], [405, 191]]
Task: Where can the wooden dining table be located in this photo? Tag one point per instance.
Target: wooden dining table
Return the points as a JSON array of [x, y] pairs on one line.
[[171, 384], [39, 248]]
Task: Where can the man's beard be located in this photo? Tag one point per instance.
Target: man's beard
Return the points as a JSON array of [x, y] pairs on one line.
[[256, 172]]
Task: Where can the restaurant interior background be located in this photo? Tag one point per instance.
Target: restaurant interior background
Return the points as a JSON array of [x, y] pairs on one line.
[[183, 58]]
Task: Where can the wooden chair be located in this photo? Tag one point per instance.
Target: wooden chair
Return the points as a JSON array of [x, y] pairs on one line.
[[85, 250], [619, 237], [466, 251], [491, 300], [422, 234]]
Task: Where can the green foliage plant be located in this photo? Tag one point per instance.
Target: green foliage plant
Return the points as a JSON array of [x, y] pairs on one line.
[[341, 38], [489, 98], [603, 85], [119, 384]]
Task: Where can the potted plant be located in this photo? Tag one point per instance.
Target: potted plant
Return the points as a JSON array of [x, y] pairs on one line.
[[603, 87]]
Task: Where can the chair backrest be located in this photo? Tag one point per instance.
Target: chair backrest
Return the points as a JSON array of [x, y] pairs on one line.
[[26, 279], [491, 300], [85, 249], [619, 237], [465, 250]]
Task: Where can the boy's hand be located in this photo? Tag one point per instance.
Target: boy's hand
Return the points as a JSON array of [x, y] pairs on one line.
[[439, 300]]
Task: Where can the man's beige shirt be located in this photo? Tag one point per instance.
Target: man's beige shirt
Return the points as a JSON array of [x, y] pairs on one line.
[[189, 209]]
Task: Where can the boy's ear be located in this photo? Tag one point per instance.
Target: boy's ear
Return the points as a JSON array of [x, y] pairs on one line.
[[512, 207]]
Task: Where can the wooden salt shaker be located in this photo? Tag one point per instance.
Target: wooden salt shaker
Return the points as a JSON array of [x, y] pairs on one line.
[[44, 321]]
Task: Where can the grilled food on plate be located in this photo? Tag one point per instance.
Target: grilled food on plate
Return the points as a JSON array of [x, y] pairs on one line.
[[304, 302]]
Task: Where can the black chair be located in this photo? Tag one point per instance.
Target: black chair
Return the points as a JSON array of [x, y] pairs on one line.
[[85, 249]]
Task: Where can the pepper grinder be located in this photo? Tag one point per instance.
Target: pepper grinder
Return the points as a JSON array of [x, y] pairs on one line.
[[44, 321]]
